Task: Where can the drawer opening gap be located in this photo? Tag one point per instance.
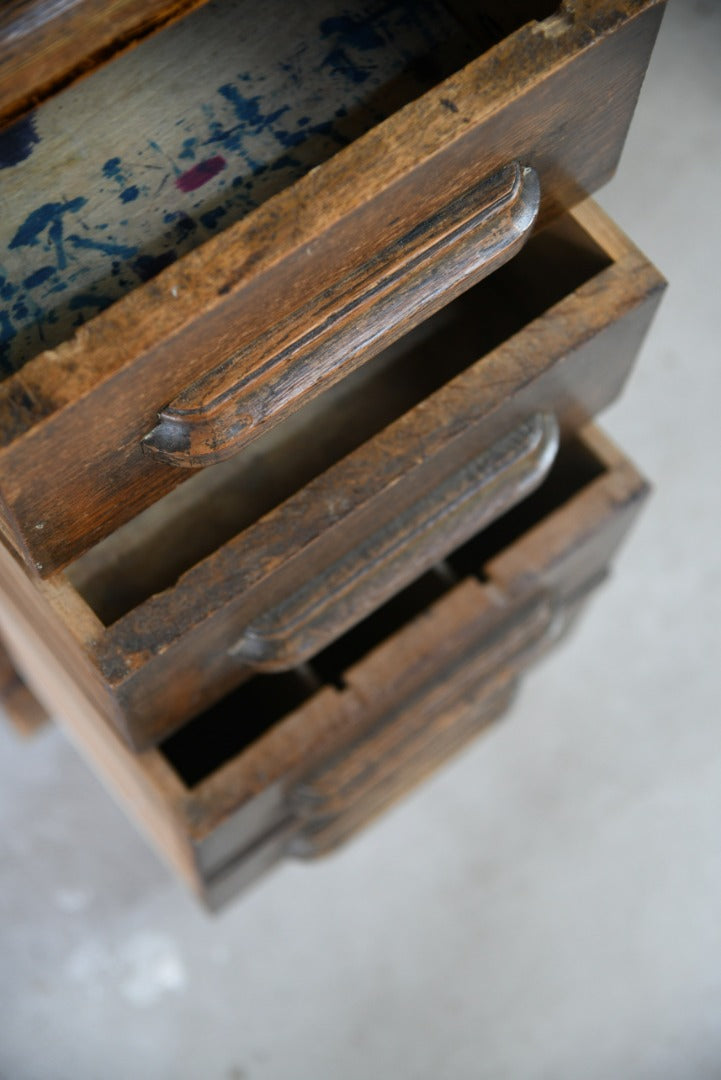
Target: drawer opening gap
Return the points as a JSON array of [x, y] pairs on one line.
[[575, 468], [223, 731], [151, 552]]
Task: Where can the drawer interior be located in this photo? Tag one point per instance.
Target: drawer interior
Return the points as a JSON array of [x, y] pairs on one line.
[[152, 551], [184, 135], [231, 726]]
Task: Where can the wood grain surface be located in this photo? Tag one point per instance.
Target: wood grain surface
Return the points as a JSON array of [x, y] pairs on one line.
[[555, 95], [154, 619]]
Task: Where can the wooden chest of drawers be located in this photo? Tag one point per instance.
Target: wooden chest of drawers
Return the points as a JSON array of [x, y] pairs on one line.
[[295, 761], [288, 516]]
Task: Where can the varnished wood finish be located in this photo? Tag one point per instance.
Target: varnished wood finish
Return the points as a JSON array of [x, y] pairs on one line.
[[556, 96], [358, 582], [182, 647], [329, 335], [370, 715], [47, 44]]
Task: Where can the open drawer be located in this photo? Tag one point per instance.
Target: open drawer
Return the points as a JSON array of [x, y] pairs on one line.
[[270, 195], [258, 563], [296, 761]]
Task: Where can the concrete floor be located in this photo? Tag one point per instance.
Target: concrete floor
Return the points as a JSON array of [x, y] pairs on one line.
[[547, 907]]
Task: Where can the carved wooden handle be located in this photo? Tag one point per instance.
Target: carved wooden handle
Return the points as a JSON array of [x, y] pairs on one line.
[[402, 549], [334, 331]]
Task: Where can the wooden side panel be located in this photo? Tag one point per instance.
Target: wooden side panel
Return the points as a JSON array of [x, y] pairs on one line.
[[144, 787], [21, 707]]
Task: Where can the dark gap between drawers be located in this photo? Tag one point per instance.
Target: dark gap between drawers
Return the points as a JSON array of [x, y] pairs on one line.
[[149, 553], [223, 731], [491, 21], [575, 468]]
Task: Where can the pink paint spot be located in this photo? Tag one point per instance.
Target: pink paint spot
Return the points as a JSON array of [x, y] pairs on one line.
[[200, 174]]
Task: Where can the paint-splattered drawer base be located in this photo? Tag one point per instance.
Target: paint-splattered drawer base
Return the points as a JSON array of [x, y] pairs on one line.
[[196, 213]]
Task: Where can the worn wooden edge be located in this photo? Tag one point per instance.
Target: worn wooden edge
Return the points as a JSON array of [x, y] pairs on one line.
[[339, 781], [251, 562], [555, 555], [601, 513], [445, 736], [397, 553], [45, 47], [331, 333], [207, 278], [417, 653]]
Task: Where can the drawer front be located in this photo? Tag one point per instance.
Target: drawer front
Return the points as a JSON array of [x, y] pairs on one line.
[[445, 735], [226, 342], [160, 621], [320, 750]]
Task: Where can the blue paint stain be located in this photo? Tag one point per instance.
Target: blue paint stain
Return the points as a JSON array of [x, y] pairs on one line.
[[147, 266], [129, 194], [38, 277], [188, 151], [36, 222], [7, 333], [20, 309], [352, 33], [289, 139], [95, 300], [349, 34], [7, 289], [48, 216], [112, 169], [285, 162], [107, 248], [252, 120], [17, 142], [211, 217], [183, 226]]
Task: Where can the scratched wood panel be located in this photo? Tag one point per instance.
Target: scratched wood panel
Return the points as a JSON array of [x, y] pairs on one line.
[[113, 180]]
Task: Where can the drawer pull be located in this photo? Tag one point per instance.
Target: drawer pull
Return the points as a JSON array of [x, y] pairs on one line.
[[409, 277], [402, 549]]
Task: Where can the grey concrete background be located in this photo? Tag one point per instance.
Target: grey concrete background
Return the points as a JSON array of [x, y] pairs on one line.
[[547, 907]]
